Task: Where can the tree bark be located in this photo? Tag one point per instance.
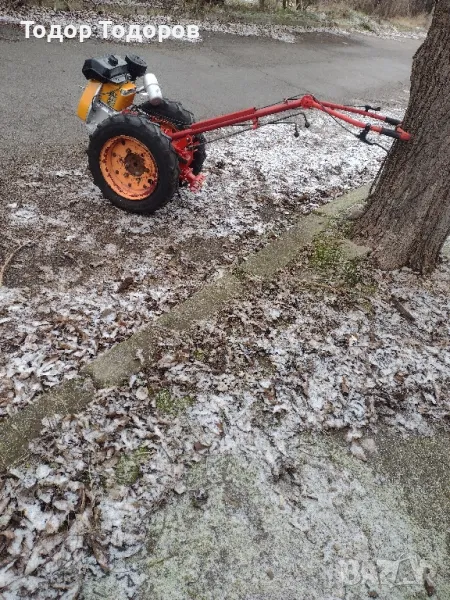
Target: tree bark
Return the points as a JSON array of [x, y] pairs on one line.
[[407, 219]]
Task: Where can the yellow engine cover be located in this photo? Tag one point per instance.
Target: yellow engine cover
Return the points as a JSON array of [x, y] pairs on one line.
[[117, 96], [87, 96]]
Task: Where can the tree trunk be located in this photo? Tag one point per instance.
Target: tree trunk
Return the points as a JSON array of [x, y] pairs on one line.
[[407, 219]]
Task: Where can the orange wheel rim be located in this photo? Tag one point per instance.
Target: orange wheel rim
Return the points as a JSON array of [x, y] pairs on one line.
[[128, 167]]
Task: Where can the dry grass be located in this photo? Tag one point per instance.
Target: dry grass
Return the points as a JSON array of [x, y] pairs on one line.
[[423, 20], [416, 10], [397, 12], [385, 9], [363, 14]]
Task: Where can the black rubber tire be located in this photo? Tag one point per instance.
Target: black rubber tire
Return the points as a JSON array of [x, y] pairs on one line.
[[159, 145], [181, 118]]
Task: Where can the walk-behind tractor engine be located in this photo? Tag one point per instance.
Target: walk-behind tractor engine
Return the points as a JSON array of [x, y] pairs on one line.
[[139, 154]]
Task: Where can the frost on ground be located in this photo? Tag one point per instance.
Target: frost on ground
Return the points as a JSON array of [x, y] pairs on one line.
[[321, 353], [284, 33], [87, 275]]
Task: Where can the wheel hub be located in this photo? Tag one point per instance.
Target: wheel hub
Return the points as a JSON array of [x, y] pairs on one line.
[[129, 167], [134, 164]]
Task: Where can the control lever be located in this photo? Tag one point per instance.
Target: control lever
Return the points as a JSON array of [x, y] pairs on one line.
[[307, 123]]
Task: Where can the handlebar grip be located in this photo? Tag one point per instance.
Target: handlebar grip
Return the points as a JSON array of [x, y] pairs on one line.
[[393, 121], [390, 133]]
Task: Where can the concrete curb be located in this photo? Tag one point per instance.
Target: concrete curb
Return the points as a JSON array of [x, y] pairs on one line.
[[114, 366], [70, 397], [128, 357]]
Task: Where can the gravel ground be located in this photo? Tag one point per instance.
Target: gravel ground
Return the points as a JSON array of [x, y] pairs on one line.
[[330, 345], [328, 352], [332, 352], [84, 275]]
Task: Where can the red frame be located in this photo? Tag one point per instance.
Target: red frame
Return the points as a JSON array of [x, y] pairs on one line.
[[306, 102], [183, 141]]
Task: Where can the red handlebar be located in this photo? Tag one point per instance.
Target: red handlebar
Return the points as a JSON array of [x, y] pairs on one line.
[[254, 114]]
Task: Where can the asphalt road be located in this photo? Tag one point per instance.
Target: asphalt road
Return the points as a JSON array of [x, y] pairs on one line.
[[41, 81]]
